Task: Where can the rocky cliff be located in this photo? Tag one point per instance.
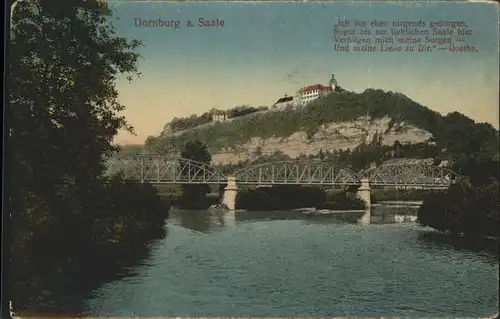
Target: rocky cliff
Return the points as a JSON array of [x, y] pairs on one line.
[[331, 136]]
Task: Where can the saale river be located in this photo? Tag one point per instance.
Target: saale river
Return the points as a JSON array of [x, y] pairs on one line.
[[287, 264]]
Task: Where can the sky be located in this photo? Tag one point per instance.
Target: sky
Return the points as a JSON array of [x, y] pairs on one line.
[[268, 49]]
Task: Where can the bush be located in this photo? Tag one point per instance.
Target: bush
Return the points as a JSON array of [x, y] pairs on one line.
[[464, 209], [286, 197]]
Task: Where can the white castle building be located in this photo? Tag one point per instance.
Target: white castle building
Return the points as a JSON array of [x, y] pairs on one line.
[[307, 94], [311, 93]]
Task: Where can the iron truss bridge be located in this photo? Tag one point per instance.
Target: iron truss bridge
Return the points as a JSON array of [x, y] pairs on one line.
[[165, 170], [178, 170], [306, 172], [410, 176]]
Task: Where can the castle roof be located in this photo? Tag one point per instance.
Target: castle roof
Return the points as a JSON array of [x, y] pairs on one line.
[[315, 87]]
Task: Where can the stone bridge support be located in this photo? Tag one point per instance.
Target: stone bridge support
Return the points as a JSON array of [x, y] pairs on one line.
[[364, 192], [230, 192]]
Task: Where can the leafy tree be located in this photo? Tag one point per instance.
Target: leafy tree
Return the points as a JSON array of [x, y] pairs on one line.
[[131, 149], [64, 60], [469, 208], [193, 196], [197, 151], [396, 146], [242, 111], [64, 113], [258, 151], [321, 155]]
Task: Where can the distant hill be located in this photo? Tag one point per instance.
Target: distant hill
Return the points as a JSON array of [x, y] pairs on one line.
[[339, 121]]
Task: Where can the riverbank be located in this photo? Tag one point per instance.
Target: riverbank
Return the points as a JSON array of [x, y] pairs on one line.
[[56, 265]]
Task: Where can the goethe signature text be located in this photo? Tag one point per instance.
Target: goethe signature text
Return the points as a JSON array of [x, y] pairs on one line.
[[176, 24]]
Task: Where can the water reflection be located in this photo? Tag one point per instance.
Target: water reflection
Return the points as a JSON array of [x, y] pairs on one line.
[[198, 220], [65, 296]]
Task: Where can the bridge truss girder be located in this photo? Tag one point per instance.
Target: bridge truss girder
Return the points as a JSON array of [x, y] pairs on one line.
[[177, 170], [305, 172], [410, 176], [167, 170]]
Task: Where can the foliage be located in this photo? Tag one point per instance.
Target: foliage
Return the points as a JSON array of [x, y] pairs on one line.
[[51, 250], [279, 197], [193, 196], [469, 208], [285, 197], [62, 114], [63, 110], [130, 149], [341, 200], [197, 151], [181, 124], [399, 195], [185, 123], [243, 110], [357, 159]]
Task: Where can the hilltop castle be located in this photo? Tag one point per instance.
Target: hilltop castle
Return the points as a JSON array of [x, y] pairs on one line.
[[307, 94], [301, 98]]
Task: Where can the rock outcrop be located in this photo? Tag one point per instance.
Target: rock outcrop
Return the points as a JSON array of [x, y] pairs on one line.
[[340, 135]]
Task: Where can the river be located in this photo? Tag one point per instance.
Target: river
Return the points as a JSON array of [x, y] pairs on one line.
[[286, 264]]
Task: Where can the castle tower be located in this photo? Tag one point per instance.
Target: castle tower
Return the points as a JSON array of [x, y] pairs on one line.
[[333, 82]]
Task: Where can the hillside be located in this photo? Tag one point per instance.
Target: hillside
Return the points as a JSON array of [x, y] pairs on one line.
[[339, 121]]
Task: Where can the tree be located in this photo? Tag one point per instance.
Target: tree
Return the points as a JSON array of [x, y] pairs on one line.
[[470, 207], [258, 151], [63, 62], [62, 66], [193, 196], [197, 151], [321, 155], [396, 146]]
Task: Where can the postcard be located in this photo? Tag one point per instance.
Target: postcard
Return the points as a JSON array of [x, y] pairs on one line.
[[252, 159]]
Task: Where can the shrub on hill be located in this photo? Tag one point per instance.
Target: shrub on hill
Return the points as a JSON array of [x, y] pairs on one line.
[[193, 121]]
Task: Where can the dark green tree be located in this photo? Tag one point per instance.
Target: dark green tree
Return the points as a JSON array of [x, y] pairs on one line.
[[469, 208], [194, 196], [396, 146], [63, 106], [63, 62], [321, 155]]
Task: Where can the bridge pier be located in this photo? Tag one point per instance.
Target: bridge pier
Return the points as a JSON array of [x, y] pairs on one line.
[[364, 192], [230, 193]]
